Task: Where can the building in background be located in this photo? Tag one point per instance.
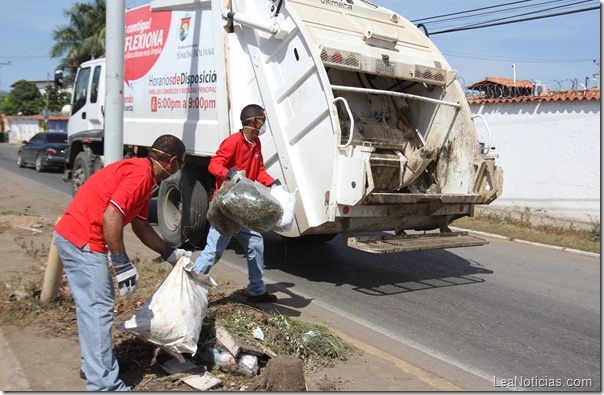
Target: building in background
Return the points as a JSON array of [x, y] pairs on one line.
[[548, 144], [21, 128]]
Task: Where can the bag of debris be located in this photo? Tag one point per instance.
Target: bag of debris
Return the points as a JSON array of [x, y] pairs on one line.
[[223, 224], [172, 317], [226, 362], [249, 204]]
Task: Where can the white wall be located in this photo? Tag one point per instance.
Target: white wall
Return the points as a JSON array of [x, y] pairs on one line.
[[22, 129], [550, 154]]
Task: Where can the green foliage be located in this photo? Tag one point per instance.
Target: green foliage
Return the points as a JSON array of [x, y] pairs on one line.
[[24, 98], [56, 99], [522, 226], [84, 37], [594, 232]]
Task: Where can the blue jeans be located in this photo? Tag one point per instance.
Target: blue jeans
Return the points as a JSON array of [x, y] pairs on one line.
[[252, 242], [92, 288]]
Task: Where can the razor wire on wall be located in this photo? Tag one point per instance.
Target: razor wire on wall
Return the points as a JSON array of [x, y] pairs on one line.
[[522, 88]]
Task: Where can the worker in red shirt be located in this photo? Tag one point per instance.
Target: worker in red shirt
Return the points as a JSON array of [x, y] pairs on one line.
[[93, 225], [240, 155]]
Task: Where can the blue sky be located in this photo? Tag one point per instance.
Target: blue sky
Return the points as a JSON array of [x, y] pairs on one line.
[[552, 50]]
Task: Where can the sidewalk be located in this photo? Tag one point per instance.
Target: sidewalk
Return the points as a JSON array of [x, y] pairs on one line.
[[11, 374]]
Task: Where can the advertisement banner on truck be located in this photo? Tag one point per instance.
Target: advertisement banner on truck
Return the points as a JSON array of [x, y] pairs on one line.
[[169, 65]]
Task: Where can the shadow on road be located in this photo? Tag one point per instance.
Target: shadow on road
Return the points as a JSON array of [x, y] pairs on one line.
[[371, 274]]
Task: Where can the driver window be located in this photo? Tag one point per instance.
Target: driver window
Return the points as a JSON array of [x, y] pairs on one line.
[[80, 90], [94, 89]]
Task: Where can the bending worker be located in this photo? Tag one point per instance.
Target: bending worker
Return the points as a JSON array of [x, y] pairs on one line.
[[91, 226]]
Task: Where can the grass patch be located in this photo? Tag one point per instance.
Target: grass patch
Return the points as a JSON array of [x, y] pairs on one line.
[[524, 227]]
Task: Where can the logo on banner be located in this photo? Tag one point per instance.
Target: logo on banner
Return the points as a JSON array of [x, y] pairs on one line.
[[183, 31]]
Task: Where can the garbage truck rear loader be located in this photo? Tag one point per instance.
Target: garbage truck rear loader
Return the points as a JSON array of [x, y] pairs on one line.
[[366, 118]]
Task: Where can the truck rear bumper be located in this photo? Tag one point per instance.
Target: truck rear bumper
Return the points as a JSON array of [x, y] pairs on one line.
[[414, 198], [416, 242]]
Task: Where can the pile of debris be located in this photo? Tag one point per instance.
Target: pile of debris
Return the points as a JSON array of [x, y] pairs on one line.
[[230, 355]]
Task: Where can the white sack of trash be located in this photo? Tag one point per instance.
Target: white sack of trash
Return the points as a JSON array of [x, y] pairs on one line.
[[172, 317]]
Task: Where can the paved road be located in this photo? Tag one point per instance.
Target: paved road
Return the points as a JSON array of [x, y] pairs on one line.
[[484, 317]]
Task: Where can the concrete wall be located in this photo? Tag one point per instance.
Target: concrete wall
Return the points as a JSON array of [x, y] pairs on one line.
[[22, 129], [550, 153]]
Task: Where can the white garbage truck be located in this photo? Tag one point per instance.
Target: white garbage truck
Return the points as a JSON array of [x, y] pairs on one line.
[[366, 119]]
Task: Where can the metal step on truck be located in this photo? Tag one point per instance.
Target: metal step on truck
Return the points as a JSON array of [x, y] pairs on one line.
[[365, 117]]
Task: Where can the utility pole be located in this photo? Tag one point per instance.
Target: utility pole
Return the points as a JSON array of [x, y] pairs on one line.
[[46, 111], [3, 64], [114, 94]]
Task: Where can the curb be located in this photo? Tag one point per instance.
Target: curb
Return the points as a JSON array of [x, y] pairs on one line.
[[12, 377], [557, 248]]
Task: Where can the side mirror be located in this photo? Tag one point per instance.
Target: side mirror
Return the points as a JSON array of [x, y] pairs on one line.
[[59, 78]]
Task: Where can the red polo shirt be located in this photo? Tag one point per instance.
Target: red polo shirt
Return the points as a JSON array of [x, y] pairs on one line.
[[236, 151], [127, 184]]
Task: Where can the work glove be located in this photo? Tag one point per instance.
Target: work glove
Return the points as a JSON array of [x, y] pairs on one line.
[[172, 255], [275, 184], [125, 273], [235, 175]]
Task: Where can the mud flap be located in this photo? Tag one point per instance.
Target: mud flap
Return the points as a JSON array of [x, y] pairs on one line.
[[416, 242]]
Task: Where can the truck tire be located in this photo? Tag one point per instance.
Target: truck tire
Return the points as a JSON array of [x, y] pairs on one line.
[[182, 210], [81, 171]]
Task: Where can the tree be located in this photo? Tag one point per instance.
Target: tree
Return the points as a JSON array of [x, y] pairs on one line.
[[25, 98], [84, 38], [56, 99]]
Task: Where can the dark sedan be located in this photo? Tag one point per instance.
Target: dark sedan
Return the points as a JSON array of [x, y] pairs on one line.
[[44, 150]]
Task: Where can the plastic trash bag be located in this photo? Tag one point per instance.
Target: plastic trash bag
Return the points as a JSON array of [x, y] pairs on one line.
[[287, 200], [223, 224], [249, 204], [172, 317], [226, 362], [248, 365]]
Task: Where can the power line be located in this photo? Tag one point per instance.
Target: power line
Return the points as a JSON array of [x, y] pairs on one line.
[[514, 59], [514, 21], [527, 13], [503, 11], [463, 12]]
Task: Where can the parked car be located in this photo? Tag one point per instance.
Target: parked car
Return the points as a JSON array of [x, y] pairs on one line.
[[44, 150]]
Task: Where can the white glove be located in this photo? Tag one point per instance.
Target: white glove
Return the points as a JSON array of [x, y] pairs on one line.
[[175, 255]]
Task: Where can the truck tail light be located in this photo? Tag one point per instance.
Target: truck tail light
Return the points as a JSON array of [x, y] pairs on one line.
[[50, 151], [331, 56]]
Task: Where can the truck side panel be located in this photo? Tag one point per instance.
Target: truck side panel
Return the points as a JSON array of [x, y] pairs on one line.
[[171, 79]]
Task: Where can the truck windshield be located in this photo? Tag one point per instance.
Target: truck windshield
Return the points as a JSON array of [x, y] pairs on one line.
[[80, 90]]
